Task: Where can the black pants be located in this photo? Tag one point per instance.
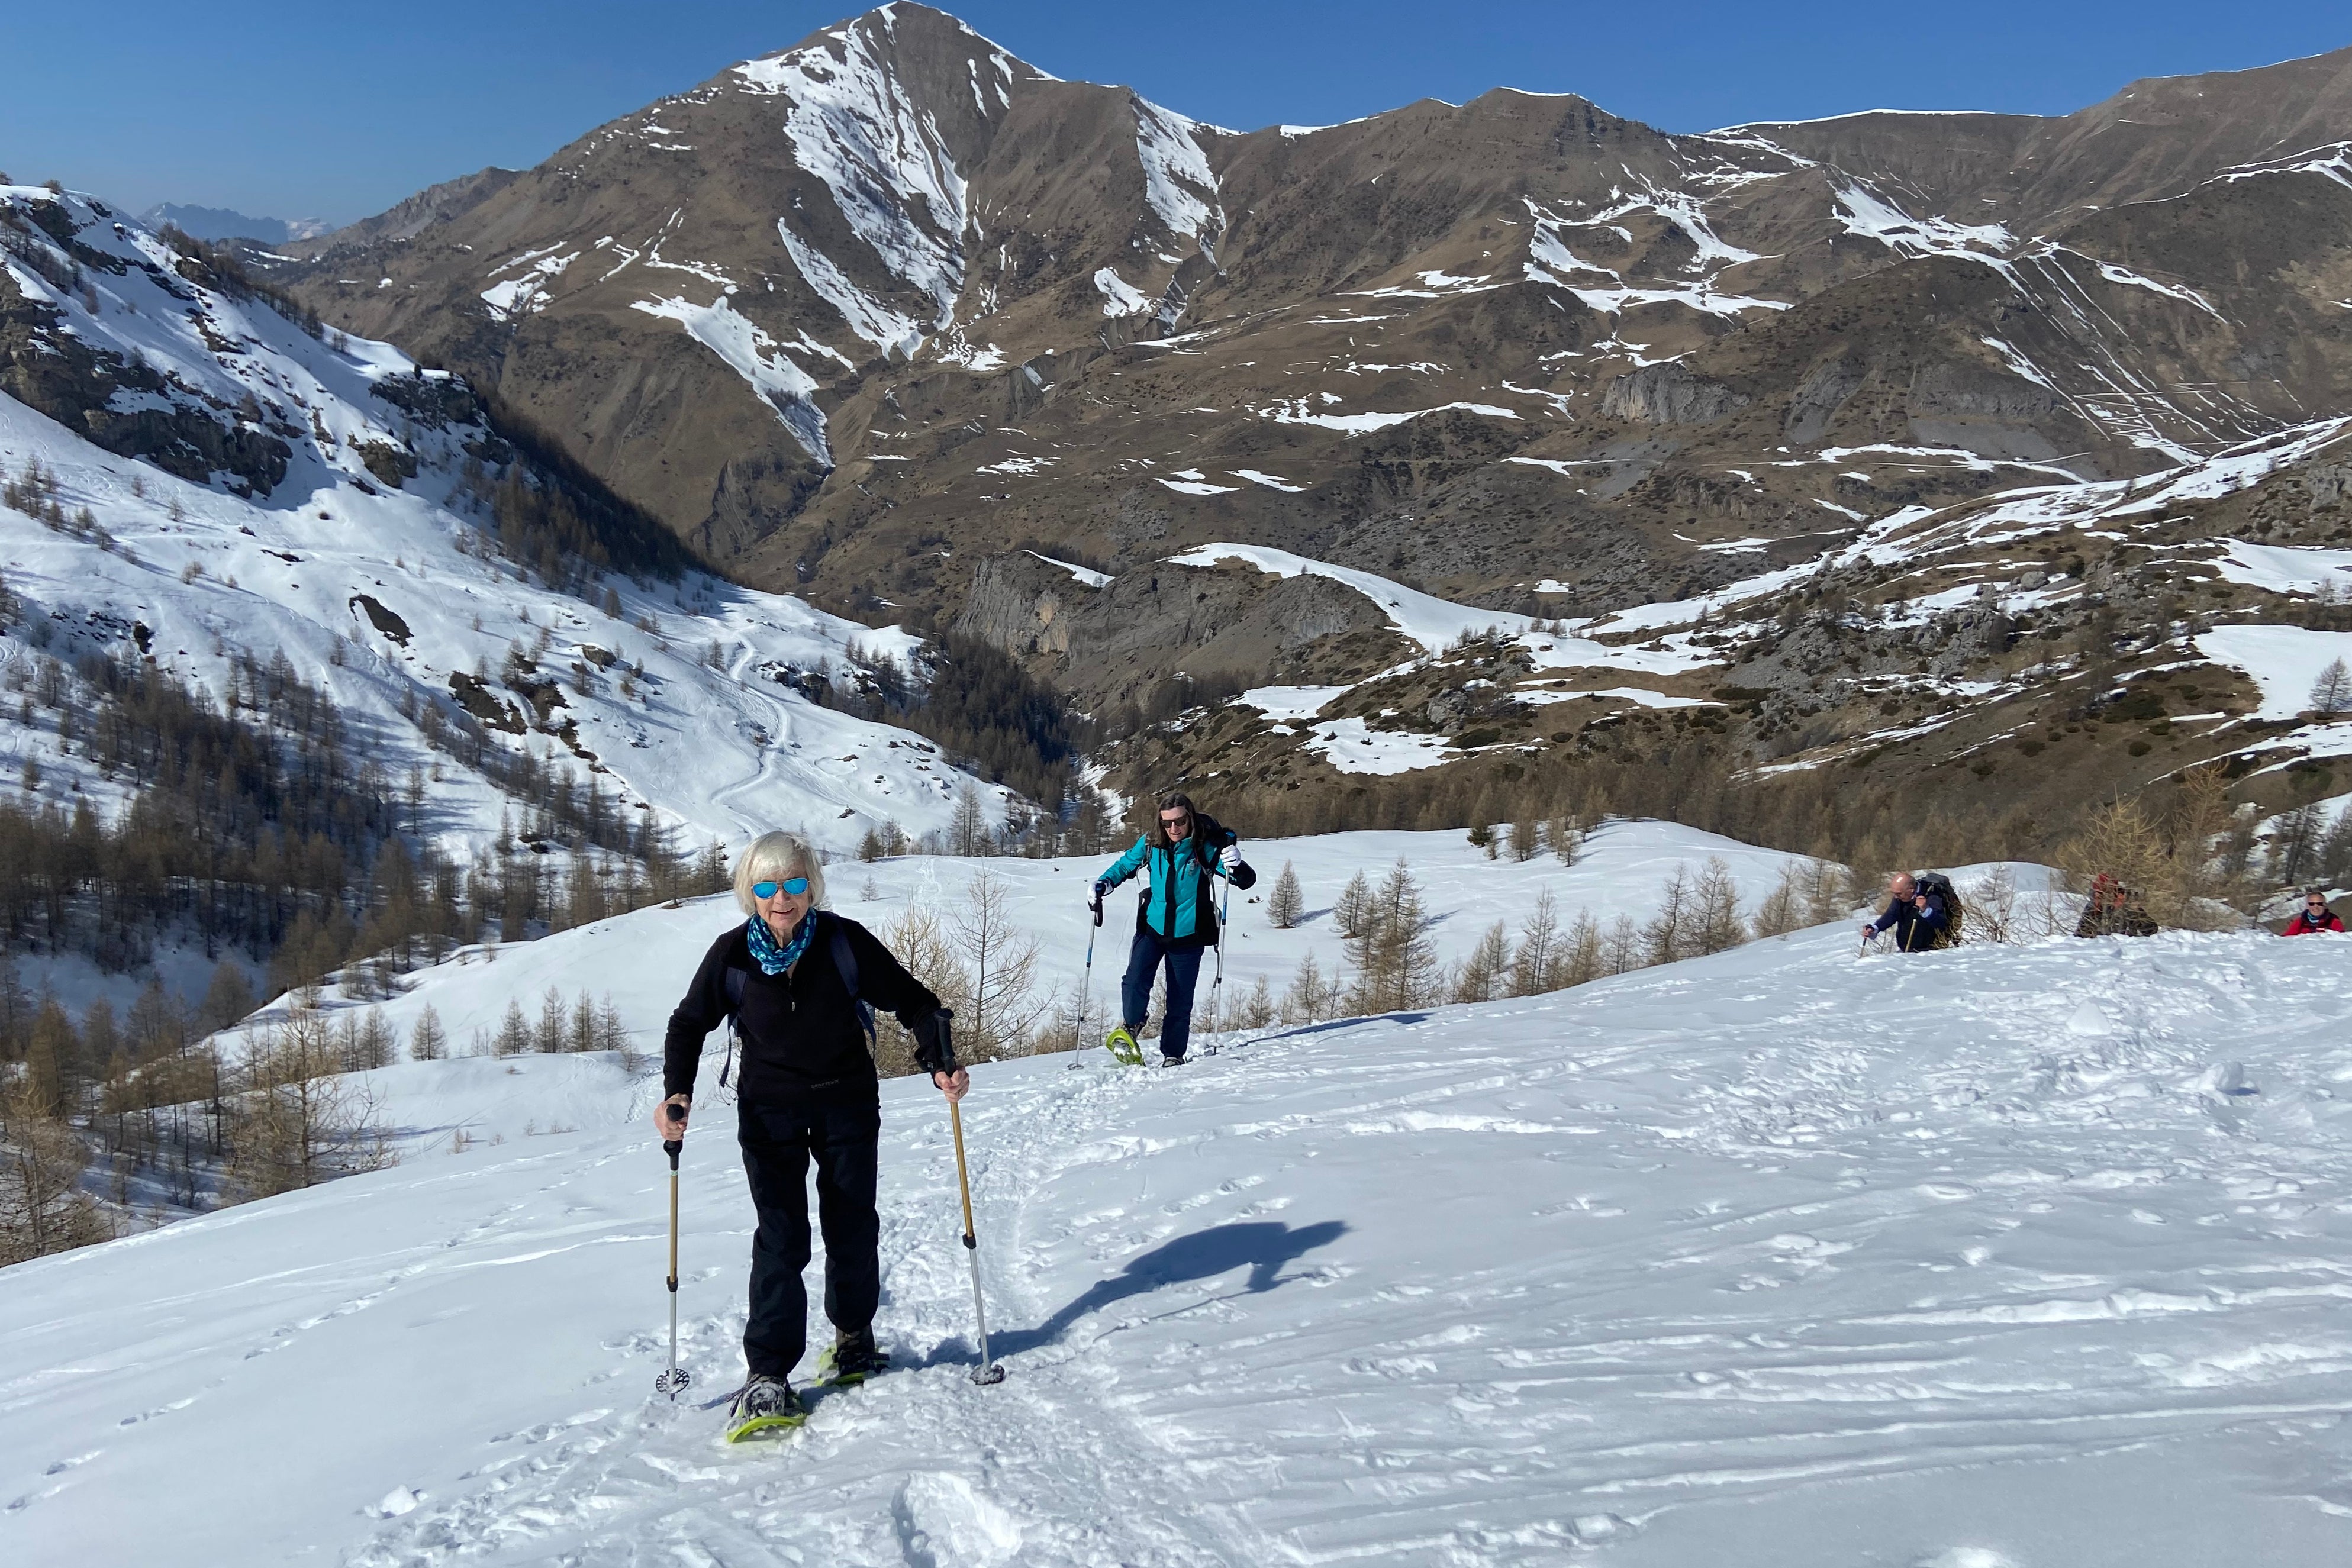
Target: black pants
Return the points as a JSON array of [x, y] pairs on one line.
[[1183, 961], [778, 1140]]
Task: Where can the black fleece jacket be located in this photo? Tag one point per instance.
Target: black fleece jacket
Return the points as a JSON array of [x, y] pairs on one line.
[[799, 1032]]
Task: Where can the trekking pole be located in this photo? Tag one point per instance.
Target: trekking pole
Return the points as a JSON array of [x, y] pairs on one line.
[[673, 1382], [1217, 986], [988, 1371], [1078, 1030]]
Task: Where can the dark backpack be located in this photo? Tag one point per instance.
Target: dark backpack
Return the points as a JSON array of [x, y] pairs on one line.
[[1940, 885], [845, 963]]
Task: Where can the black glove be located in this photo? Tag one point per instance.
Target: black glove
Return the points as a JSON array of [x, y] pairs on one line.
[[934, 1043], [1102, 888]]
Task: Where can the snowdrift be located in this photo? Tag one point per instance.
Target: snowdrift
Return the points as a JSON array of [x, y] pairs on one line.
[[1999, 1256]]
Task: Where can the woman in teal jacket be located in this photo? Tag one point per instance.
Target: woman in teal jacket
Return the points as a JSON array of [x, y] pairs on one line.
[[1176, 919]]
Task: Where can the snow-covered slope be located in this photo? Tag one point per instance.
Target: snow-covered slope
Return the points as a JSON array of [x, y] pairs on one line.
[[380, 595], [1994, 1257], [639, 963], [642, 960]]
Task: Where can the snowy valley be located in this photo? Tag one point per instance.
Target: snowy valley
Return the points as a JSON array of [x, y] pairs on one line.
[[1581, 561]]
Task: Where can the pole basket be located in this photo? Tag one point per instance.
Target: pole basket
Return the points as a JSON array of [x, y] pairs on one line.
[[673, 1381]]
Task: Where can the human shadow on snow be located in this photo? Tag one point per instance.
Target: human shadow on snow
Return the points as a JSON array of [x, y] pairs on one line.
[[1263, 1247]]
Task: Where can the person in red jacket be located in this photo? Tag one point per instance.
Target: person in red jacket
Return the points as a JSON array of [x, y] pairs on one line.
[[2314, 915]]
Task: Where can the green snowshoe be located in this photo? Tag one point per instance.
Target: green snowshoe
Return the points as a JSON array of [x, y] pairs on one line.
[[766, 1407], [1121, 1044], [850, 1360]]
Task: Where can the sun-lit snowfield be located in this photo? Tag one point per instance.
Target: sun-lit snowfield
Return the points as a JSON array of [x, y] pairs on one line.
[[643, 960], [2001, 1256]]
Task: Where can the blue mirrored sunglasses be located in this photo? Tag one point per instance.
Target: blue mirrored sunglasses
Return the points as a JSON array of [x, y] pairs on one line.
[[795, 886]]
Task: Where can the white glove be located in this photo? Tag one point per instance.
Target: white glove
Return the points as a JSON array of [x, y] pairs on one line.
[[1228, 858]]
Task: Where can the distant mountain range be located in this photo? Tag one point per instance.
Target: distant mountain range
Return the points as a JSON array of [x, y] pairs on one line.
[[220, 222], [1825, 448]]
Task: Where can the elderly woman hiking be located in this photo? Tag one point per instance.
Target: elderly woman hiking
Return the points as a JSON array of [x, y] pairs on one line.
[[1185, 851], [798, 981]]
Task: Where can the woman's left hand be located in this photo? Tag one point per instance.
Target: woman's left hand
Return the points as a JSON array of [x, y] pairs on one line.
[[954, 1085]]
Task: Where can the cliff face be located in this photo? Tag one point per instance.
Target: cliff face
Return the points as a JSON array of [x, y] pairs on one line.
[[1101, 644]]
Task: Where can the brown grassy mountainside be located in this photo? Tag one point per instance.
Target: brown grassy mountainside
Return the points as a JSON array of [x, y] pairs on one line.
[[860, 319]]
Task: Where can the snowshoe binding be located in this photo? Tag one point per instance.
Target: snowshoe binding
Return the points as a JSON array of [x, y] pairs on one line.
[[850, 1360], [765, 1406], [1120, 1043]]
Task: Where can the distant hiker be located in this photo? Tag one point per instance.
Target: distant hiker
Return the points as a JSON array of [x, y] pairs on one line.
[[798, 982], [2111, 911], [1920, 910], [1185, 851], [2314, 916]]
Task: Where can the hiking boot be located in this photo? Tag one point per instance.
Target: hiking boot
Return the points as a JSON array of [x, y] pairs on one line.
[[853, 1358], [763, 1404], [764, 1395], [1174, 1059]]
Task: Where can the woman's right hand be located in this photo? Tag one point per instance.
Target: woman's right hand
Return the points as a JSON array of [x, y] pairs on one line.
[[673, 1128]]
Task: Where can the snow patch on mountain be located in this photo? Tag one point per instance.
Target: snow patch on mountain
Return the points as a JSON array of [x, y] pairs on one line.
[[1177, 180], [525, 293], [854, 125], [2285, 662], [1871, 216], [1298, 411], [1120, 297], [785, 386]]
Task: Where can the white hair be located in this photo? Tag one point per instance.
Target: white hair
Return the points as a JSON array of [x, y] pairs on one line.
[[773, 857]]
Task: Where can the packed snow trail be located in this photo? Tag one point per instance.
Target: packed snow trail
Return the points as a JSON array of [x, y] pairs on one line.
[[2000, 1255]]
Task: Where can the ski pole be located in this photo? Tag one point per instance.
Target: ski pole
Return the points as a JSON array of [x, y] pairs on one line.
[[1078, 1030], [1217, 986], [988, 1371], [673, 1381]]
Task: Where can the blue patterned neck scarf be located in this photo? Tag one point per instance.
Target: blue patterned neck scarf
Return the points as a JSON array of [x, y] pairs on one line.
[[772, 956]]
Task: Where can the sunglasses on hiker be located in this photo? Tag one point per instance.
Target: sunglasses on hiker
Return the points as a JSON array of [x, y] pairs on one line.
[[793, 885], [1178, 820]]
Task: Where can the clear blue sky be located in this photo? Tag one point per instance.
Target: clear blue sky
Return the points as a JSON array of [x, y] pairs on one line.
[[336, 111]]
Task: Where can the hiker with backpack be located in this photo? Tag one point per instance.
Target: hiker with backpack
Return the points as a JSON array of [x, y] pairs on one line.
[[799, 983], [2112, 911], [2315, 916], [1175, 921], [1923, 911]]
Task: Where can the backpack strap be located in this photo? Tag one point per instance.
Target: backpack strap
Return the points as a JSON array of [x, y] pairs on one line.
[[845, 964], [735, 978]]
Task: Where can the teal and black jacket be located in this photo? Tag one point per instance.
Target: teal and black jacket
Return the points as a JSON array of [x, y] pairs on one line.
[[1181, 906]]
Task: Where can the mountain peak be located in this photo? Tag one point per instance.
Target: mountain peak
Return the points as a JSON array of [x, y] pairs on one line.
[[224, 223]]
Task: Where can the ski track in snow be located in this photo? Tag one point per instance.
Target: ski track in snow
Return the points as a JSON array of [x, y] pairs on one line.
[[1635, 1273]]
